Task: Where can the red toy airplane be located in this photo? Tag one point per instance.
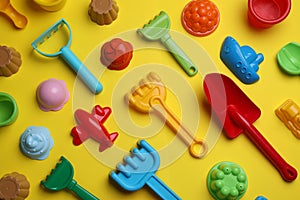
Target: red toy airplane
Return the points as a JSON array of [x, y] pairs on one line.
[[91, 126]]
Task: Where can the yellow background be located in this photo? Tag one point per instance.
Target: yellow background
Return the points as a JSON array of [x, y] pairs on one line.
[[186, 176]]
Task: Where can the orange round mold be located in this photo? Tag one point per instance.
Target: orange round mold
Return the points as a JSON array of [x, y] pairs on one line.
[[200, 17]]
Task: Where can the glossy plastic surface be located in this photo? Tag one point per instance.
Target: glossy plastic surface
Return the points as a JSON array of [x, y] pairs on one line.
[[116, 54], [200, 17], [82, 71], [51, 5], [139, 169], [240, 113], [52, 94], [10, 61], [266, 13], [19, 20], [289, 114], [288, 58], [243, 61], [150, 95], [36, 142], [260, 198], [103, 12], [227, 181], [91, 126], [9, 109], [14, 186], [158, 29], [61, 177]]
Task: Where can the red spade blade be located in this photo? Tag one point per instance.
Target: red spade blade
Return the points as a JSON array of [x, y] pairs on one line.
[[237, 112], [222, 92]]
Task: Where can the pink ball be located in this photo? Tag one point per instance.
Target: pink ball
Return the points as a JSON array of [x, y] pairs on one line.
[[52, 94]]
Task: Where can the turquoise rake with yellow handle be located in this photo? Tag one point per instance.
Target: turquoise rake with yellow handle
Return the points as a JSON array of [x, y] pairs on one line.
[[158, 29], [82, 71], [61, 177]]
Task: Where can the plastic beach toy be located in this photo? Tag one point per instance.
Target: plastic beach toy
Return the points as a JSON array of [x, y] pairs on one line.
[[8, 109], [139, 170], [61, 177], [83, 73], [103, 12], [52, 94], [116, 54], [36, 142], [289, 114], [10, 61], [260, 198], [200, 17], [266, 13], [158, 29], [92, 126], [14, 186], [51, 5], [238, 113], [19, 20], [227, 181], [242, 61], [288, 58], [150, 96]]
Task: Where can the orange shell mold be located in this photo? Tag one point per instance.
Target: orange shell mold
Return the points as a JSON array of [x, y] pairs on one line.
[[200, 17], [14, 186], [103, 12], [116, 54], [10, 61]]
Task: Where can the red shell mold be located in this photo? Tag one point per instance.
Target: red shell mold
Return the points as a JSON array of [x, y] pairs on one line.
[[116, 54], [200, 17]]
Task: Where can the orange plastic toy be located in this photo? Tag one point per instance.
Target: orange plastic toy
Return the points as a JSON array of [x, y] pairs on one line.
[[289, 114], [200, 17], [149, 96]]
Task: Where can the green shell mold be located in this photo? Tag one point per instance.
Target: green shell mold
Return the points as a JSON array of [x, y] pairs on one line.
[[227, 181]]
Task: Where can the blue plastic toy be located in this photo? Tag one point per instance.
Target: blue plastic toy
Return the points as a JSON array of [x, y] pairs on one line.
[[36, 142], [241, 60], [139, 169], [84, 74], [261, 198]]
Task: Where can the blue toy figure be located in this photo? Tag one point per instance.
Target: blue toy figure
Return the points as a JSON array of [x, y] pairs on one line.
[[242, 61]]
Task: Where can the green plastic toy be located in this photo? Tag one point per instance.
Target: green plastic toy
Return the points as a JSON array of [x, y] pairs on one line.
[[158, 29], [288, 58], [62, 178], [8, 109], [227, 181]]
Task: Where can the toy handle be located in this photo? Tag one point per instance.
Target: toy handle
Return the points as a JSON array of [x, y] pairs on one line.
[[287, 172], [80, 191], [184, 61], [19, 20], [85, 75], [161, 189], [177, 127]]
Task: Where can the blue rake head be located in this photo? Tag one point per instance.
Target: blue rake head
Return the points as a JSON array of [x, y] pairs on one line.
[[48, 33], [138, 167]]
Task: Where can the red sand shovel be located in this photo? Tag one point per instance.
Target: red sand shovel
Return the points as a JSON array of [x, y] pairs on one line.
[[237, 112]]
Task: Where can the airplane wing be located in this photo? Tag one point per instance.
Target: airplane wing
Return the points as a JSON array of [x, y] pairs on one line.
[[100, 113], [79, 135]]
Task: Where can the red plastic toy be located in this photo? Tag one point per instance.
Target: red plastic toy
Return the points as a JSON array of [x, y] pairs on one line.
[[237, 113], [266, 13], [116, 54], [91, 126], [200, 17]]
